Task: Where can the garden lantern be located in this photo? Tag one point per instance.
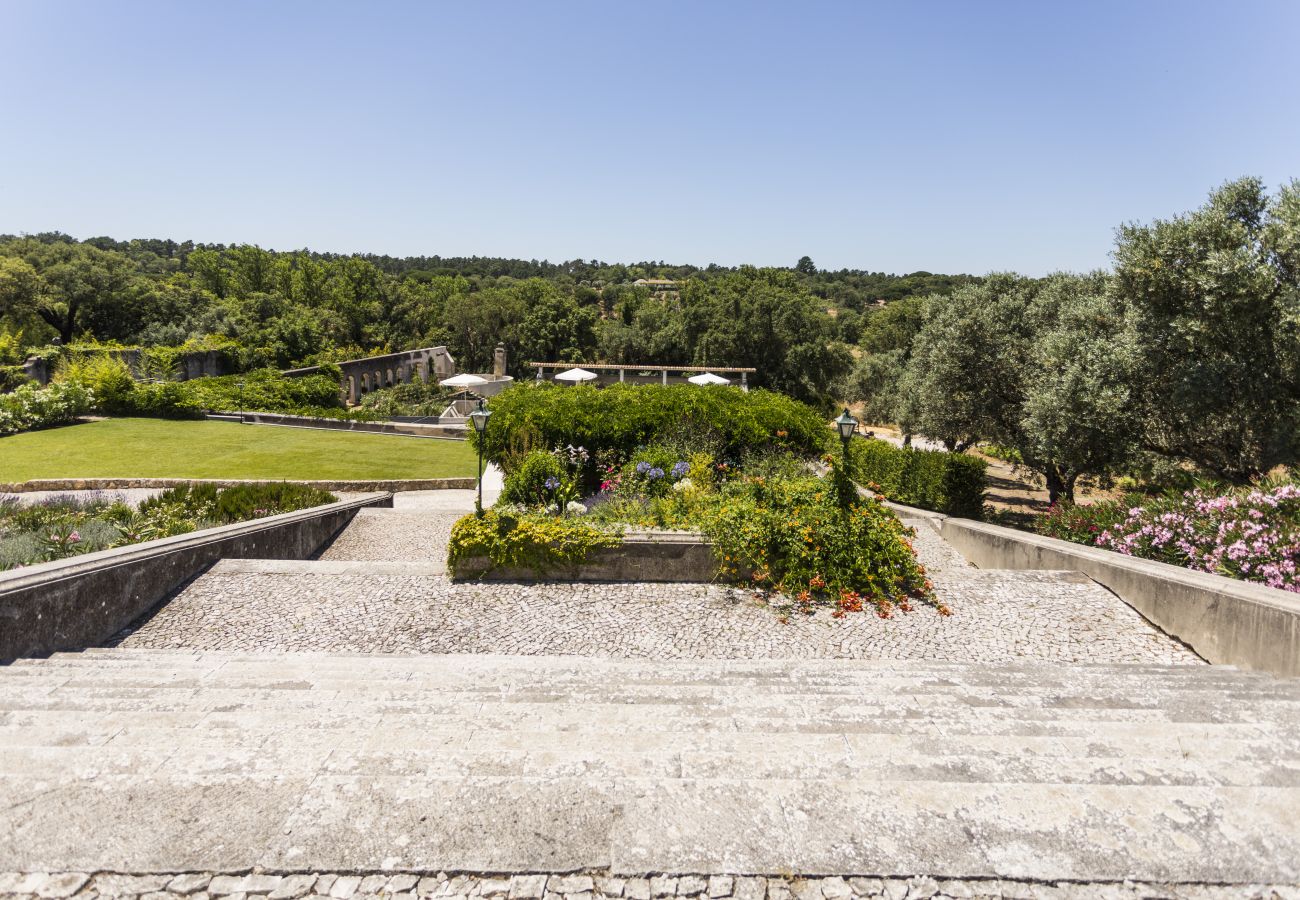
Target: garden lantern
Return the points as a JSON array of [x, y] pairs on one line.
[[480, 419], [847, 425]]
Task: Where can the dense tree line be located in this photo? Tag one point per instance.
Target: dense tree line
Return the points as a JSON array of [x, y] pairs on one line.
[[1187, 355], [286, 309]]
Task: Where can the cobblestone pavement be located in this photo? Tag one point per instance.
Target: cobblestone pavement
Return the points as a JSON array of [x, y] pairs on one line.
[[997, 616], [386, 535], [594, 886]]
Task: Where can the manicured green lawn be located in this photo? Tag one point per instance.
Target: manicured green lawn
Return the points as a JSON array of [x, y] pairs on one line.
[[155, 448]]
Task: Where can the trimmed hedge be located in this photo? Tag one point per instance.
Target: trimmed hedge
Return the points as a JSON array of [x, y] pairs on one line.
[[950, 483], [612, 422]]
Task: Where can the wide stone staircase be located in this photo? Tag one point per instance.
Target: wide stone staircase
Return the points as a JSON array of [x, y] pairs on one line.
[[183, 761]]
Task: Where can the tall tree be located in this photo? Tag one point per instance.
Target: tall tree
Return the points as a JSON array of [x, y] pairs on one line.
[[1212, 298]]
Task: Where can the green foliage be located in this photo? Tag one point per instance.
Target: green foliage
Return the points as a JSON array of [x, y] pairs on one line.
[[533, 541], [266, 390], [812, 539], [11, 348], [1214, 299], [12, 377], [950, 483], [1082, 523], [252, 501], [68, 526], [29, 407], [612, 422], [414, 399], [105, 375], [795, 536], [162, 400], [526, 485]]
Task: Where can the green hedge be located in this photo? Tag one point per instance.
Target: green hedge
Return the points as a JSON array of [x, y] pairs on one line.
[[951, 483], [612, 422]]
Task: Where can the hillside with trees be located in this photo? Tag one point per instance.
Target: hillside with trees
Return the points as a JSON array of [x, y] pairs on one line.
[[286, 309]]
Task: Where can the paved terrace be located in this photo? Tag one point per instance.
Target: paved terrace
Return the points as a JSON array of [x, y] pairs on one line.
[[399, 602]]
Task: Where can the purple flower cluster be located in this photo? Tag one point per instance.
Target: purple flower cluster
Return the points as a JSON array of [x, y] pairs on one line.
[[680, 469], [1253, 536], [551, 483]]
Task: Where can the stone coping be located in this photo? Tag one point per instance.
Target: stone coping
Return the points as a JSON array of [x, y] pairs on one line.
[[84, 600], [1225, 620], [126, 483]]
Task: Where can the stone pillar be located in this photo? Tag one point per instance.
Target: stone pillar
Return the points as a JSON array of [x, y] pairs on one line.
[[744, 382], [665, 377], [499, 360]]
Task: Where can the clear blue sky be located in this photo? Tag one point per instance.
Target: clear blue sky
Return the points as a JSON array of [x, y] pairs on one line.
[[949, 136]]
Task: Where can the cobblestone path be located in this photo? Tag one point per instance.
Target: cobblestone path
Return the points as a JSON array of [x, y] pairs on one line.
[[582, 886], [998, 616]]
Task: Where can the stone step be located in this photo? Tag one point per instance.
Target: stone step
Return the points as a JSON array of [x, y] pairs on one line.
[[135, 762], [455, 664]]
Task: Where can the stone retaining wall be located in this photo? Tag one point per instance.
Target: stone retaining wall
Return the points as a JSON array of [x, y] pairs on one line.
[[84, 600], [411, 429], [657, 556], [1224, 620]]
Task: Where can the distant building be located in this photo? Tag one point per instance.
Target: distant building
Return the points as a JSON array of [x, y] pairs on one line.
[[656, 284]]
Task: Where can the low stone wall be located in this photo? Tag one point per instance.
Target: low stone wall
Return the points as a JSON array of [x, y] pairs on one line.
[[659, 556], [450, 432], [1224, 620], [84, 600], [118, 484]]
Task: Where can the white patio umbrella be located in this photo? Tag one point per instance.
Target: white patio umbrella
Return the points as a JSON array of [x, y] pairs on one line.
[[708, 378], [463, 380], [576, 375]]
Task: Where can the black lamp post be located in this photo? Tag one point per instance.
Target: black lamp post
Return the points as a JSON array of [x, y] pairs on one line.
[[480, 419], [241, 401], [847, 425]]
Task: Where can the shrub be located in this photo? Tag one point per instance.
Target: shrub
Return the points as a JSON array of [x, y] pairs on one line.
[[794, 535], [526, 486], [266, 390], [29, 406], [951, 483], [252, 501], [612, 422], [70, 525], [413, 399], [163, 400], [1251, 534], [12, 377], [528, 541], [1082, 523], [107, 377]]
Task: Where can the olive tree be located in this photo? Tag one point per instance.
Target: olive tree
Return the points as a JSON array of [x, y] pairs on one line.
[[1212, 299]]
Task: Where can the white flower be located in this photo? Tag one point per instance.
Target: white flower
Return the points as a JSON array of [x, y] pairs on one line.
[[684, 485], [574, 508]]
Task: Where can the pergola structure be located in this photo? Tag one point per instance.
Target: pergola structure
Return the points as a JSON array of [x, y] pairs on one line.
[[638, 374]]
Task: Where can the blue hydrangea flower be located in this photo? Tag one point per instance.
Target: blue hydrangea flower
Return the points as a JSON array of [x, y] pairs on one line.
[[552, 483], [655, 474], [642, 468], [680, 469]]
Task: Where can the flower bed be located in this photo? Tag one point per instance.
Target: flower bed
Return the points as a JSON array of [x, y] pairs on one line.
[[805, 542], [68, 526], [1251, 534]]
